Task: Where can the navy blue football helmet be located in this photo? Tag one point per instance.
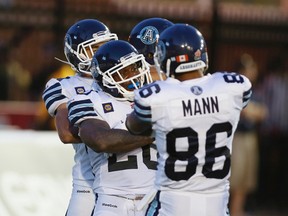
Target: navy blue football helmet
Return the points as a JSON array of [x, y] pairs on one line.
[[82, 40], [120, 69], [145, 35], [181, 48]]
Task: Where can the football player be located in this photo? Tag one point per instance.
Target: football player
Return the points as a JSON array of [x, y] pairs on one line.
[[81, 41], [144, 37], [194, 116], [125, 171]]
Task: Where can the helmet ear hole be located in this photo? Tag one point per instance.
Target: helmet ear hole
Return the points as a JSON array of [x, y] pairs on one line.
[[150, 55], [138, 64]]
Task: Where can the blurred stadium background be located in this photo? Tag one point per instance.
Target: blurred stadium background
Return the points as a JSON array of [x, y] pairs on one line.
[[31, 35]]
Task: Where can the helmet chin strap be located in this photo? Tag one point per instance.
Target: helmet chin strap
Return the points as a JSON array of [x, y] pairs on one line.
[[65, 62], [73, 67]]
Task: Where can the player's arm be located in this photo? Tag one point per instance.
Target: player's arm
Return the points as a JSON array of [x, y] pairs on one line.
[[66, 132], [55, 101], [98, 135], [137, 126], [140, 120]]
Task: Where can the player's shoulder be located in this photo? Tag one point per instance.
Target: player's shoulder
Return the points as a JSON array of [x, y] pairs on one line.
[[157, 86], [229, 76], [235, 79], [81, 107], [52, 82], [91, 97], [80, 100], [57, 81], [156, 91]]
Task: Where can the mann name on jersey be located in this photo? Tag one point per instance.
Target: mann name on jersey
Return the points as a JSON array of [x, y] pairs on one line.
[[200, 106]]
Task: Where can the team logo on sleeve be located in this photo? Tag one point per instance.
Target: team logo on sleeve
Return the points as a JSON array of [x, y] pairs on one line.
[[108, 107], [197, 90], [80, 90]]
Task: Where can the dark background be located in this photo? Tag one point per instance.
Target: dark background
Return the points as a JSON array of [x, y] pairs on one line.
[[32, 32]]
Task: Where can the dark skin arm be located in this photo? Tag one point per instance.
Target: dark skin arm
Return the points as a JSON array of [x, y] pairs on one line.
[[98, 135], [66, 132], [137, 126]]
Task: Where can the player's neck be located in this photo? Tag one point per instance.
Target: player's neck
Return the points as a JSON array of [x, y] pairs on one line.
[[189, 75], [85, 75]]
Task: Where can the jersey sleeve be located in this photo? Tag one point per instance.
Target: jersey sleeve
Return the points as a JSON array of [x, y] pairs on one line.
[[142, 103], [53, 96], [236, 84], [247, 91], [80, 108]]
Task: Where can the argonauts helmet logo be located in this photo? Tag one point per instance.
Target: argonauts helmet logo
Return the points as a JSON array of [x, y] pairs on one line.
[[197, 90], [148, 35]]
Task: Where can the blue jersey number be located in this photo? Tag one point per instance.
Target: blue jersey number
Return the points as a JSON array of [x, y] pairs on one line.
[[233, 78], [149, 90]]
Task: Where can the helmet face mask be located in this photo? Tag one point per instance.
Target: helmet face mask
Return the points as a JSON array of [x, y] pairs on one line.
[[128, 75], [86, 49], [82, 40], [128, 72]]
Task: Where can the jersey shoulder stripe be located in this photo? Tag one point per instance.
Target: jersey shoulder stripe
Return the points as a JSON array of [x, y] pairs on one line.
[[246, 97], [80, 109], [237, 84], [52, 94], [143, 112], [51, 91]]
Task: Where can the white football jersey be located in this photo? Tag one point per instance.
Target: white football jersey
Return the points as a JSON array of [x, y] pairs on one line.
[[57, 92], [126, 173], [194, 122]]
